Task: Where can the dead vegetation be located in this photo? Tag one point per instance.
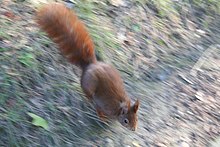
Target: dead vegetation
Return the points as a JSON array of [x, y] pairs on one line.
[[156, 45]]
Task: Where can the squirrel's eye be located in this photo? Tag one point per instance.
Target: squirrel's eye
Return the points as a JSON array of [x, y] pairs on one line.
[[126, 121]]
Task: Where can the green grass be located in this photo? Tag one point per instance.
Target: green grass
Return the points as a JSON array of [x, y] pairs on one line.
[[3, 49], [102, 36], [27, 59], [3, 34], [35, 78], [29, 86]]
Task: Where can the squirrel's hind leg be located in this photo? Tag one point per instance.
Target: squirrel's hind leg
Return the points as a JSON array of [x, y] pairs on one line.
[[89, 84]]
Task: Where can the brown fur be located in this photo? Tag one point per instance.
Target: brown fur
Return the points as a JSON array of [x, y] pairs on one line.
[[101, 82], [65, 29]]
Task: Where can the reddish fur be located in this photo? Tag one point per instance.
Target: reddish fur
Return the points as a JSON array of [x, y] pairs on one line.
[[101, 82], [65, 29]]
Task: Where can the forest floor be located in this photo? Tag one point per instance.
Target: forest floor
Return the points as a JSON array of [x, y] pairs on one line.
[[167, 53]]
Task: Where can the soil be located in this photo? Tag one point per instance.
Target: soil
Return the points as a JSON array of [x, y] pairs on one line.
[[171, 64]]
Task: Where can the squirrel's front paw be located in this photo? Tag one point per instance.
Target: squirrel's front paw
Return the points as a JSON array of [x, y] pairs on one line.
[[101, 115]]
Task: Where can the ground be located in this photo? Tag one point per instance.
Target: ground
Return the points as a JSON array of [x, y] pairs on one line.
[[168, 54]]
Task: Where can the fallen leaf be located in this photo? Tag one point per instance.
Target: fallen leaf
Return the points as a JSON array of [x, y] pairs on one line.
[[135, 144], [9, 14], [160, 145], [117, 2], [38, 121], [200, 96]]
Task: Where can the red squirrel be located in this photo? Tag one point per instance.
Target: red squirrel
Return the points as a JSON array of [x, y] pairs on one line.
[[100, 82]]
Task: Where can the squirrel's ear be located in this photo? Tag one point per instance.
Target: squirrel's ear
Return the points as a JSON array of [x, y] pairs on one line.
[[136, 106]]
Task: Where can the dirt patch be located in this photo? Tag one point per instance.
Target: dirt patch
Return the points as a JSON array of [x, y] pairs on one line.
[[168, 59]]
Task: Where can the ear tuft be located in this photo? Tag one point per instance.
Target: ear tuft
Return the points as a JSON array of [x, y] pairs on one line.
[[136, 106]]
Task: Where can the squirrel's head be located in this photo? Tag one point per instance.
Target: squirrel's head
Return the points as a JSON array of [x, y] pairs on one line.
[[128, 116]]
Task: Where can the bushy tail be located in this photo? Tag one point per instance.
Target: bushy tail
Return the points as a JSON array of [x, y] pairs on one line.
[[70, 34]]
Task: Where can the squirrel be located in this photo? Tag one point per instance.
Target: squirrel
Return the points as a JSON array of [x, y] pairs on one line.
[[100, 82]]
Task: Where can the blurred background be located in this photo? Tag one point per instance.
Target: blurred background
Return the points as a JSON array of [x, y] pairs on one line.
[[168, 54]]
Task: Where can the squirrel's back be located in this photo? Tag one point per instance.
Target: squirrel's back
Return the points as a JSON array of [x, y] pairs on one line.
[[65, 29], [100, 82]]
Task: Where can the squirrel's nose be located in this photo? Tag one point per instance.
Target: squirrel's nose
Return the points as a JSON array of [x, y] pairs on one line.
[[134, 128]]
